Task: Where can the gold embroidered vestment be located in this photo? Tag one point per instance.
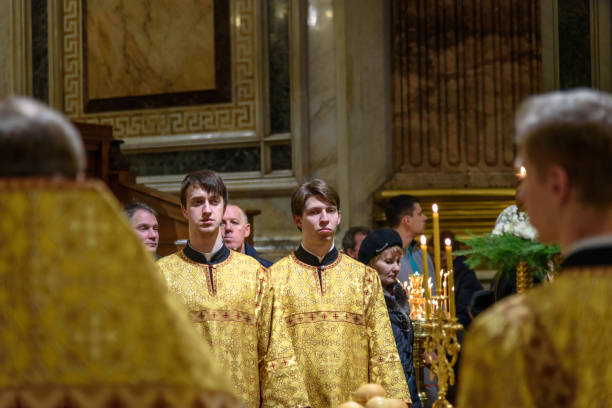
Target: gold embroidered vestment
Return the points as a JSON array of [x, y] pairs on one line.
[[85, 319], [340, 328], [235, 312], [549, 347]]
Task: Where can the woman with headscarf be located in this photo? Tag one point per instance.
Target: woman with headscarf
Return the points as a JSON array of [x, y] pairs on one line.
[[382, 250]]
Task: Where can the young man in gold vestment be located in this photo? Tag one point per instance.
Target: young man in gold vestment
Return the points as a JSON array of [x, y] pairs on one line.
[[551, 346], [231, 301], [85, 319], [334, 308]]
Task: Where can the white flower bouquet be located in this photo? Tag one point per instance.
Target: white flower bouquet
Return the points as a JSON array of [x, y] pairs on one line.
[[513, 240]]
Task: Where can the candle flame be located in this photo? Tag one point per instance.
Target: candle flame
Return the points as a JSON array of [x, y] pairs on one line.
[[522, 172], [447, 242], [435, 208], [423, 240]]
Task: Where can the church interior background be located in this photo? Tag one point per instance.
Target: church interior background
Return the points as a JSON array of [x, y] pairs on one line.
[[376, 97]]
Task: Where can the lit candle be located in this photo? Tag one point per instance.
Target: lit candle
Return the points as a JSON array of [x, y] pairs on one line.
[[429, 303], [436, 239], [425, 268], [451, 273], [444, 290], [522, 173]]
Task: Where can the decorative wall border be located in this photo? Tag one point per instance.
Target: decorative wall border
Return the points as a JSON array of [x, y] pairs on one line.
[[240, 114]]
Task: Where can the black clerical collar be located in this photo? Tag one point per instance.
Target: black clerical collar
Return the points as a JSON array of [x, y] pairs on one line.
[[310, 259], [593, 256], [221, 255]]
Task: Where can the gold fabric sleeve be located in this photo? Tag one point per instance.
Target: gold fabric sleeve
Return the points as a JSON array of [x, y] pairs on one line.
[[549, 347]]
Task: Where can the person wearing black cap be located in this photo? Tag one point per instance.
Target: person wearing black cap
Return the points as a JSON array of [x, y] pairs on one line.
[[382, 250]]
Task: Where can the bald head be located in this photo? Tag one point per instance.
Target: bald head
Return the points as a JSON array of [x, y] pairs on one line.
[[37, 141], [235, 227]]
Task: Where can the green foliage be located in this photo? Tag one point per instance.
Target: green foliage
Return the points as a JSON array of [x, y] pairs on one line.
[[503, 252]]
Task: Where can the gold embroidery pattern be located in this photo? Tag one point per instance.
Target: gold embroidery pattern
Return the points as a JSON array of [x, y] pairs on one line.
[[552, 346], [234, 116], [244, 348], [348, 339], [200, 316], [388, 359], [206, 270], [75, 325], [330, 316], [103, 396], [282, 362]]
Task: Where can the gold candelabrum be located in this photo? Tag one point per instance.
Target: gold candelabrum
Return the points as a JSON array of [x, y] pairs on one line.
[[416, 298], [434, 319], [524, 277], [435, 340], [442, 347]]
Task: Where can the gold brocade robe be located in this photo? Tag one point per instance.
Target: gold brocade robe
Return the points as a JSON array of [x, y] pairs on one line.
[[340, 328], [236, 313], [85, 319], [550, 347]]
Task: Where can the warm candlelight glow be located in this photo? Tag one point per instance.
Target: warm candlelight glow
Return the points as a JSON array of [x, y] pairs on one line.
[[522, 172], [425, 263], [447, 242], [436, 243]]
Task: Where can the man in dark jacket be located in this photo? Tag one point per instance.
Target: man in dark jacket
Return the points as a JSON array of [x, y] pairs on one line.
[[235, 229]]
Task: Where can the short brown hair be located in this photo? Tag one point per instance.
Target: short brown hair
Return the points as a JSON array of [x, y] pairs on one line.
[[38, 141], [315, 187], [206, 179], [572, 129]]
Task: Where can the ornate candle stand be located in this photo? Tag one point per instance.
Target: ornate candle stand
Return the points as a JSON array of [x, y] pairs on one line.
[[416, 297], [418, 356], [442, 342], [524, 277]]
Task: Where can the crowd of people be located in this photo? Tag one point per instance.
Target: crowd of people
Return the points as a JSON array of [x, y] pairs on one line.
[[310, 328]]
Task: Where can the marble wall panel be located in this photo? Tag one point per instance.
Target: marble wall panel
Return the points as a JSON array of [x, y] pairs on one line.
[[368, 105], [575, 44], [236, 115], [322, 92], [460, 69], [40, 50], [144, 48], [6, 51]]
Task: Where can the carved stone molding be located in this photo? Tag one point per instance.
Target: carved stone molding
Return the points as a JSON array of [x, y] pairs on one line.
[[460, 70]]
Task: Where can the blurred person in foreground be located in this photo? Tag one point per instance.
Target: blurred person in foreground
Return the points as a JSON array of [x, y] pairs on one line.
[[236, 229], [84, 316], [382, 250], [553, 342]]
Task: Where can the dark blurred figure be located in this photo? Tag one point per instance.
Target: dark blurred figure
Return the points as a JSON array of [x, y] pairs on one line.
[[466, 285], [466, 282]]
